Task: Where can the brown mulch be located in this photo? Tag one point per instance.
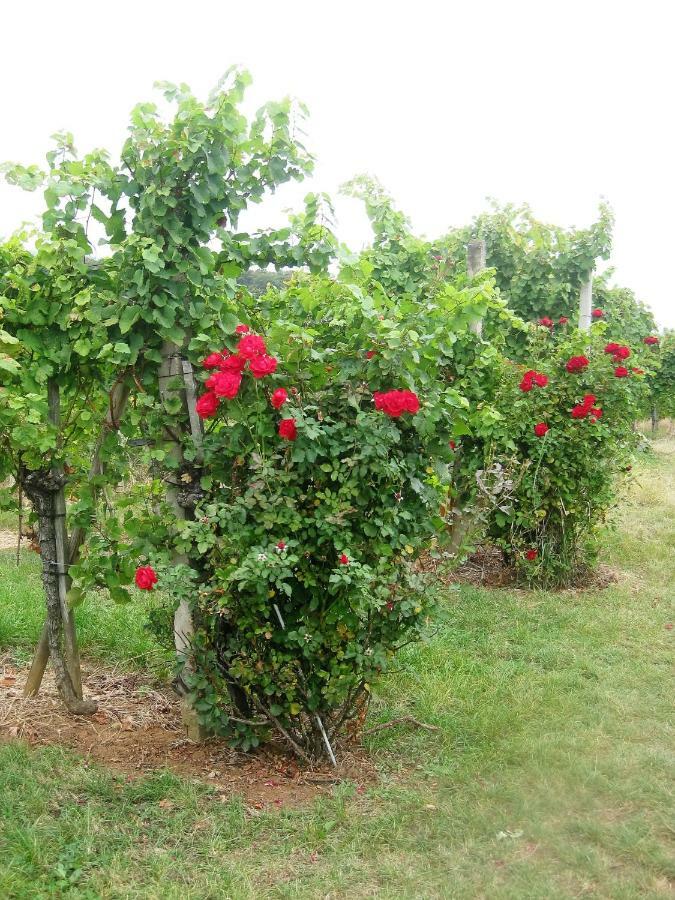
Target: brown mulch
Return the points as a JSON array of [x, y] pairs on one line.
[[137, 730], [487, 567]]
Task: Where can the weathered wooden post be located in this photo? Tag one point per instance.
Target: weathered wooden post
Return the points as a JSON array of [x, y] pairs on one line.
[[585, 302], [475, 263], [176, 379]]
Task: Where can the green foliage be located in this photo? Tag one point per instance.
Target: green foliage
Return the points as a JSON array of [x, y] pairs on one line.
[[662, 383]]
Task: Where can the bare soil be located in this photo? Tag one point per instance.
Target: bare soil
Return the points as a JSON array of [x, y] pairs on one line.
[[138, 730]]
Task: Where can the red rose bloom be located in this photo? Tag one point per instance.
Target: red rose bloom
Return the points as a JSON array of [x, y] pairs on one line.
[[589, 399], [452, 445], [563, 320], [370, 354], [207, 405], [233, 363], [281, 545], [212, 361], [621, 372], [250, 346], [241, 329], [596, 411], [576, 364], [279, 397], [531, 555], [546, 322], [597, 313], [580, 411], [224, 384], [344, 560], [540, 380], [540, 429], [145, 578], [395, 403], [650, 340], [262, 365], [612, 347], [287, 429], [621, 353]]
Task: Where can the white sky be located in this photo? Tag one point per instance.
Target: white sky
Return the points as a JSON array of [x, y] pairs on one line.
[[447, 103]]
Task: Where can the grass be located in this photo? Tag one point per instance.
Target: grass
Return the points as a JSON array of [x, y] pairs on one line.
[[549, 778]]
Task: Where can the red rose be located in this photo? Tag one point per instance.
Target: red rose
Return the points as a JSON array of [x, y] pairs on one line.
[[540, 380], [395, 403], [145, 578], [527, 382], [281, 545], [287, 429], [576, 364], [546, 322], [563, 320], [262, 365], [612, 347], [389, 604], [531, 555], [452, 445], [279, 397], [250, 346], [344, 560], [540, 429], [597, 313], [621, 372], [621, 353], [650, 340], [580, 412], [212, 361], [589, 400], [370, 354], [596, 411], [241, 329], [224, 384], [232, 363], [207, 405]]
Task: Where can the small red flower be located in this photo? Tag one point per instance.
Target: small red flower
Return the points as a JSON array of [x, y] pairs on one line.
[[540, 429], [389, 604], [251, 345], [597, 313], [241, 329], [224, 384], [344, 560], [621, 372], [638, 371], [370, 354], [651, 340], [281, 546], [576, 364], [145, 578], [546, 322], [279, 397], [395, 403], [212, 361], [287, 429], [452, 445], [232, 363], [596, 412], [531, 555], [580, 411], [207, 405], [563, 320], [262, 365], [589, 399]]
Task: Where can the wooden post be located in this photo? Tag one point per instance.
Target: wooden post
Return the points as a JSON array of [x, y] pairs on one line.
[[475, 263], [176, 378], [585, 302], [118, 400]]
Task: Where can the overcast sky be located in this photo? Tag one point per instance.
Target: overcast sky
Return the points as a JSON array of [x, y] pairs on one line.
[[556, 105]]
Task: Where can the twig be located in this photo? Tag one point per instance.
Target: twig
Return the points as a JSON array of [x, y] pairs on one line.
[[410, 719]]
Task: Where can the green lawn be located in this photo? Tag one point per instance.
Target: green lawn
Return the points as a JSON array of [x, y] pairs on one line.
[[550, 776]]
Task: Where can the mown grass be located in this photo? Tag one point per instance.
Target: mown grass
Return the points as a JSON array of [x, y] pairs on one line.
[[550, 776]]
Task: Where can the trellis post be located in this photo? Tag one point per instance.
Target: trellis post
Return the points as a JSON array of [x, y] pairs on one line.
[[476, 256], [585, 303]]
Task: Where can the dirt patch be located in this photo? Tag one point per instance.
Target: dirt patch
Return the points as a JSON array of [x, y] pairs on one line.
[[8, 540], [137, 730]]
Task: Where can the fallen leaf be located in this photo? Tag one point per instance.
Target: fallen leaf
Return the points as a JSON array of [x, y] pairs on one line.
[[166, 804], [8, 681]]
